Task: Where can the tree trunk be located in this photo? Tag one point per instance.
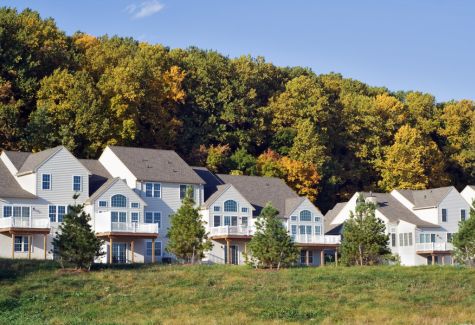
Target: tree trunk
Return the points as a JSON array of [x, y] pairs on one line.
[[360, 250]]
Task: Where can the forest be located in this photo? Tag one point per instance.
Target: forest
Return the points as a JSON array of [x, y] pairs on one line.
[[327, 136]]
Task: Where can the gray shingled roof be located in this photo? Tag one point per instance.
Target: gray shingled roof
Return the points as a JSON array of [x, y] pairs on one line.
[[260, 190], [34, 160], [9, 187], [156, 165], [220, 189], [103, 188], [331, 215], [426, 198], [211, 181], [395, 211], [292, 203], [99, 175], [17, 157]]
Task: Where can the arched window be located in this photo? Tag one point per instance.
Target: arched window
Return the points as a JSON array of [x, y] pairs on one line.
[[305, 215], [230, 206], [118, 201]]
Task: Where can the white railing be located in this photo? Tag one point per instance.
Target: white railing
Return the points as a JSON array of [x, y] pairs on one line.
[[429, 247], [103, 223], [22, 222], [317, 239], [232, 230]]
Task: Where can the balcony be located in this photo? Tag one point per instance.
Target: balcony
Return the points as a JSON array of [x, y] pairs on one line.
[[433, 247], [317, 239], [231, 231], [104, 225], [25, 223]]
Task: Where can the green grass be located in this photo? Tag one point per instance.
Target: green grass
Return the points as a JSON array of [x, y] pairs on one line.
[[36, 293]]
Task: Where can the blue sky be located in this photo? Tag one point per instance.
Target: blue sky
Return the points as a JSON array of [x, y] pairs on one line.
[[403, 45]]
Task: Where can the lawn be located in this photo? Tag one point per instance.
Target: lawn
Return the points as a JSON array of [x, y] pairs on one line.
[[36, 293]]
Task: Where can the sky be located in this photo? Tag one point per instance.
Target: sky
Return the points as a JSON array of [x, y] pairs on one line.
[[419, 45]]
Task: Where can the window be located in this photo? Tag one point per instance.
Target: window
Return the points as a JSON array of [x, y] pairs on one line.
[[409, 235], [77, 183], [244, 210], [118, 201], [184, 189], [305, 215], [317, 219], [444, 215], [405, 239], [309, 230], [230, 220], [449, 237], [152, 190], [46, 181], [463, 215], [52, 213], [148, 189], [135, 205], [153, 217], [118, 216], [61, 212], [216, 208], [427, 238], [103, 204], [302, 230], [318, 230], [158, 248], [21, 244], [294, 229], [293, 218], [7, 211], [157, 190], [217, 221], [244, 221], [393, 240], [230, 206], [16, 211], [134, 216]]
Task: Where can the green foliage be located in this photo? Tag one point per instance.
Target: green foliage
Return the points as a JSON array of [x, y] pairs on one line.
[[464, 241], [243, 161], [271, 245], [187, 235], [76, 242], [364, 241]]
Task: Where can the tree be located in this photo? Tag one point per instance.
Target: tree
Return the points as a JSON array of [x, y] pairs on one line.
[[364, 241], [217, 159], [464, 240], [271, 245], [187, 235], [243, 162], [75, 240]]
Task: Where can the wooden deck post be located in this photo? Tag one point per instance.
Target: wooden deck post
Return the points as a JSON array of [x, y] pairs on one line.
[[307, 257], [44, 244], [433, 259], [153, 250], [29, 246], [111, 242], [132, 249], [336, 257], [322, 258], [443, 259], [228, 250], [13, 246]]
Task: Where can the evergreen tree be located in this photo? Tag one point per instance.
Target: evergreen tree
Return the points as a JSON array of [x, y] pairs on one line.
[[75, 241], [464, 241], [364, 241], [271, 245], [187, 235]]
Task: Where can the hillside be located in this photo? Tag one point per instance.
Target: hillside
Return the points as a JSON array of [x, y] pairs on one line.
[[326, 135], [35, 293]]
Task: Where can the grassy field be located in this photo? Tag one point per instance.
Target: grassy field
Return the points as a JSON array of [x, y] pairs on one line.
[[36, 293]]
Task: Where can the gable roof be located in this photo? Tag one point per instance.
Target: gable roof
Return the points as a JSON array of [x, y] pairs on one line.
[[211, 181], [106, 186], [293, 203], [35, 160], [394, 210], [9, 187], [260, 190], [17, 157], [99, 174], [332, 214], [426, 198], [220, 189], [156, 165]]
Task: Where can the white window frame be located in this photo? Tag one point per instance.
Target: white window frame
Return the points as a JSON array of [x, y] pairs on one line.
[[23, 248], [151, 243], [446, 215], [465, 212], [159, 223], [80, 183], [50, 182], [102, 206], [21, 206], [216, 208], [126, 200], [153, 189], [132, 205]]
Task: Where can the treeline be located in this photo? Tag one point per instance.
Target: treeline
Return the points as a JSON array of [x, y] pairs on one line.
[[326, 135]]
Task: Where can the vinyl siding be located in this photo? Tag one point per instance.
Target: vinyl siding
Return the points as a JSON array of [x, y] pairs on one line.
[[116, 167]]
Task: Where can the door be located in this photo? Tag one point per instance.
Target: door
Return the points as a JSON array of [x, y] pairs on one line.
[[119, 253], [234, 254], [119, 220]]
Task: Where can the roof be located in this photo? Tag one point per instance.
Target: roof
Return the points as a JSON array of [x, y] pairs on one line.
[[9, 187], [426, 198], [35, 160], [99, 175], [17, 157], [220, 189], [156, 165], [331, 215], [102, 189], [261, 190], [392, 209], [293, 203], [211, 181]]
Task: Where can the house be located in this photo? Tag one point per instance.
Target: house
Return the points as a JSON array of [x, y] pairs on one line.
[[35, 191], [232, 204], [468, 194], [420, 223]]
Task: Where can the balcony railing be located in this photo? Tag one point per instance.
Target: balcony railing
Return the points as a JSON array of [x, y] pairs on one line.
[[23, 222], [232, 230], [430, 247], [104, 223], [316, 239]]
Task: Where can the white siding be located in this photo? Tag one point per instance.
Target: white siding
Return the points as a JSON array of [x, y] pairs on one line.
[[468, 194], [453, 202], [116, 167]]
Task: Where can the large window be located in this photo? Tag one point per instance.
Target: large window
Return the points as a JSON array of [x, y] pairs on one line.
[[118, 216], [21, 244], [158, 248], [134, 216], [294, 229], [46, 181], [318, 230], [16, 211], [427, 238], [302, 230], [153, 217], [230, 206], [184, 190], [153, 190], [230, 220], [77, 183], [216, 221], [305, 215], [118, 201]]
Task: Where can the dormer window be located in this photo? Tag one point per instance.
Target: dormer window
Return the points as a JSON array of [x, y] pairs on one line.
[[46, 181]]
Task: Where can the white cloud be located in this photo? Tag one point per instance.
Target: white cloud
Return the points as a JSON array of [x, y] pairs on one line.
[[144, 9]]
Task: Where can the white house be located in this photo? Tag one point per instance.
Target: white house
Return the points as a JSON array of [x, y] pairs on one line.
[[468, 194], [420, 223]]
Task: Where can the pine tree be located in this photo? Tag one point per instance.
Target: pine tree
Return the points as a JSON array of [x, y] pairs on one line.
[[364, 241], [464, 241], [187, 235], [75, 241], [271, 245]]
